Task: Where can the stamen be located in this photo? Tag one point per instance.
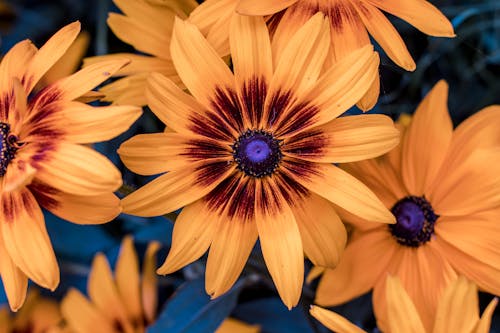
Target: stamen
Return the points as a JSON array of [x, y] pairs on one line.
[[415, 221], [257, 153], [8, 147]]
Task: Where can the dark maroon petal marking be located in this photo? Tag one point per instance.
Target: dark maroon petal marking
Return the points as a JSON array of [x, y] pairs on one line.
[[296, 168], [340, 14], [236, 196], [44, 97], [210, 126], [211, 172], [297, 119], [278, 102], [310, 143], [274, 21], [253, 94], [44, 194], [199, 149], [6, 102], [291, 190], [227, 107]]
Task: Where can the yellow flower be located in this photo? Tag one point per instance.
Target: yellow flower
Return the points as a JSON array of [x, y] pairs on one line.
[[457, 311], [147, 26], [444, 189], [126, 303], [38, 315], [249, 155], [350, 20], [42, 162]]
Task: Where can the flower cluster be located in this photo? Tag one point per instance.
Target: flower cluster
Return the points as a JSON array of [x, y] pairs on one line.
[[257, 149]]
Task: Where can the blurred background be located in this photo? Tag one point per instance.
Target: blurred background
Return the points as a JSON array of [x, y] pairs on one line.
[[470, 63]]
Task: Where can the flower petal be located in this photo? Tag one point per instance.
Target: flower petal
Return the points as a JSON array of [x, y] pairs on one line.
[[14, 280], [421, 14], [483, 326], [149, 282], [280, 241], [426, 141], [26, 239], [335, 286], [342, 189], [128, 279], [322, 232], [79, 170], [176, 189], [193, 233], [334, 321], [260, 8]]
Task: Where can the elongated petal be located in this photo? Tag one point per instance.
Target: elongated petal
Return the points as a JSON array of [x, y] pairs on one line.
[[426, 140], [19, 173], [232, 243], [176, 189], [149, 281], [138, 64], [49, 54], [483, 326], [79, 170], [260, 8], [193, 233], [83, 315], [86, 124], [335, 286], [94, 209], [322, 232], [386, 35], [401, 311], [26, 239], [345, 139], [334, 321], [199, 66], [342, 189], [280, 242], [13, 64], [421, 14], [14, 280], [128, 279]]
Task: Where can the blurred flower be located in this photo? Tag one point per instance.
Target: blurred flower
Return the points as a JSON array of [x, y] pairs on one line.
[[231, 325], [39, 315], [350, 20], [457, 311], [42, 163], [251, 153], [445, 194], [126, 303], [147, 26]]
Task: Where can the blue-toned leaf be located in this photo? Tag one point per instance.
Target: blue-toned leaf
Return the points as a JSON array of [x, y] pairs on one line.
[[190, 309]]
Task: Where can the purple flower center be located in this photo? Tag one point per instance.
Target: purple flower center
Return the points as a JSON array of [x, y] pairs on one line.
[[257, 153], [8, 147], [415, 221]]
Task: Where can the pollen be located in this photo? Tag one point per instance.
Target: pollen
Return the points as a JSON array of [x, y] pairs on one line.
[[8, 147]]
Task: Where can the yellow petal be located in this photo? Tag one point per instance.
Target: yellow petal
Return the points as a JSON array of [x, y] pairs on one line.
[[14, 280], [334, 321], [149, 289], [127, 279], [260, 8]]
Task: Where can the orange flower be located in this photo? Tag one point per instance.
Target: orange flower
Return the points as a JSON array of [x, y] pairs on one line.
[[147, 26], [249, 154], [457, 311], [42, 162], [445, 195], [350, 20], [126, 303], [38, 315]]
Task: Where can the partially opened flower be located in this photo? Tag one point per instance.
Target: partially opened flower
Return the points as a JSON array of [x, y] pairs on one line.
[[39, 315], [42, 162], [126, 302], [350, 20], [250, 154], [445, 195], [147, 26], [457, 311]]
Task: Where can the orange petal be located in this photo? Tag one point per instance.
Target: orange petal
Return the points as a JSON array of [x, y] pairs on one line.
[[26, 239], [370, 98], [280, 242], [426, 141], [483, 326], [128, 279], [176, 189], [334, 321], [13, 64], [401, 311], [14, 280], [79, 170], [335, 286], [260, 8], [322, 232], [149, 288], [193, 233], [199, 66], [386, 35], [421, 14], [49, 54]]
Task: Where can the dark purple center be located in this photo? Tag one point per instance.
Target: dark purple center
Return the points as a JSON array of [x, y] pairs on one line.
[[257, 153], [415, 221], [8, 147]]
